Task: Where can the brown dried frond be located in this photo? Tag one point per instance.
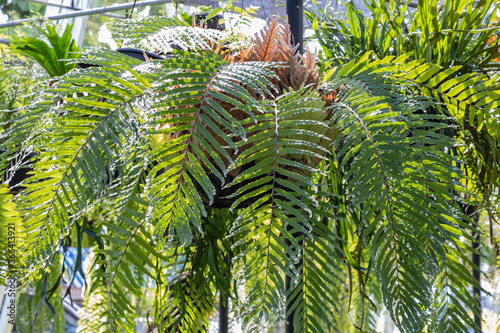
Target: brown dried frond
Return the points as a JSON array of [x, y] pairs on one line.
[[298, 69], [201, 24], [331, 97], [265, 44], [274, 44]]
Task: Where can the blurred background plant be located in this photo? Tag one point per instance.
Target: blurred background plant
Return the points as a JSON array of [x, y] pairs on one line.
[[54, 57], [21, 77], [447, 33]]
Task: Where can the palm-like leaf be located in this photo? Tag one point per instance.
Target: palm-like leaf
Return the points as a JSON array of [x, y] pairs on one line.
[[354, 170], [390, 143]]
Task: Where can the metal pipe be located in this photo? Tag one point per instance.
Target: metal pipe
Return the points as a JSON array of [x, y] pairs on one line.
[[223, 313], [295, 14], [59, 5], [93, 11], [46, 3]]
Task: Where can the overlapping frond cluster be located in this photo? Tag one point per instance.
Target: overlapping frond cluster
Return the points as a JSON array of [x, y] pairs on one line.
[[323, 179], [184, 38], [163, 35], [278, 206], [60, 193], [471, 101], [102, 121], [124, 261], [391, 172]]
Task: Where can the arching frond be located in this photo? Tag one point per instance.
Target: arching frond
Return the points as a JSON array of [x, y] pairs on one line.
[[276, 207], [184, 38], [200, 135], [400, 178], [323, 276], [472, 100], [92, 157]]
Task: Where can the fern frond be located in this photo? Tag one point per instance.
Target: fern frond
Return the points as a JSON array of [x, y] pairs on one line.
[[198, 141], [323, 275], [472, 100], [389, 156], [270, 187], [88, 159], [135, 29], [184, 38], [452, 306]]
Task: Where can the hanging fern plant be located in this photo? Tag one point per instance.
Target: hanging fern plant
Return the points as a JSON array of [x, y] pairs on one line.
[[321, 175]]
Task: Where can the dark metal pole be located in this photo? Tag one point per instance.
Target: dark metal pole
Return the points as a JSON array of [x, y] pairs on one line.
[[223, 314], [476, 260], [224, 302], [295, 13], [473, 213]]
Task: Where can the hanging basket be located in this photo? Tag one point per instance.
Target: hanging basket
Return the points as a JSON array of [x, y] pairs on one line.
[[139, 54]]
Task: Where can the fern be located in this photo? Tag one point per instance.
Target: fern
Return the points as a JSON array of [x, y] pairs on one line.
[[276, 200], [351, 177]]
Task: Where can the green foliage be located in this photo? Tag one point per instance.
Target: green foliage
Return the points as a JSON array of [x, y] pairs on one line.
[[52, 57], [451, 33], [136, 29], [398, 191], [11, 231], [320, 188], [457, 42], [40, 311], [164, 35], [20, 82]]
